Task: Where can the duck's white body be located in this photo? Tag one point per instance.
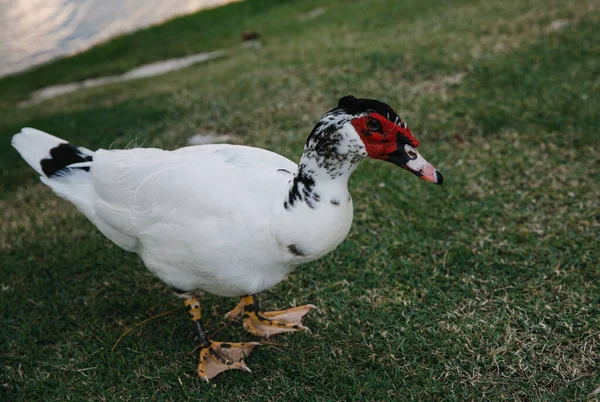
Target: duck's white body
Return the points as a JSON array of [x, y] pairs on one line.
[[209, 217], [229, 220]]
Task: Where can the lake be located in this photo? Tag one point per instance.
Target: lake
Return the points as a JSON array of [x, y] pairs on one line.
[[35, 31]]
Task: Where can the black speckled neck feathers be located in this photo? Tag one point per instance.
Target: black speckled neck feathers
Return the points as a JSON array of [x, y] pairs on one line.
[[330, 156]]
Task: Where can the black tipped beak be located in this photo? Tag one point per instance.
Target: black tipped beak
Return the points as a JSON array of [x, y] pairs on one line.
[[408, 158]]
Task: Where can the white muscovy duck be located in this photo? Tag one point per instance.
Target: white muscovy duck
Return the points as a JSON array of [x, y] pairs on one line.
[[227, 219]]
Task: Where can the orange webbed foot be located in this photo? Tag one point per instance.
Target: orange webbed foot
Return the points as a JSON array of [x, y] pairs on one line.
[[218, 357], [271, 322]]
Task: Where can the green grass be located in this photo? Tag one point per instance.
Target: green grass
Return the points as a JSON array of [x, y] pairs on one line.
[[485, 288]]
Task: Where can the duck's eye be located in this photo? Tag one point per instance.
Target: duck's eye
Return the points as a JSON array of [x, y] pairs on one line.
[[373, 124], [411, 154]]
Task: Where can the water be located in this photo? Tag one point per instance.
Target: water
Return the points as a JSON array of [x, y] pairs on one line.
[[35, 31]]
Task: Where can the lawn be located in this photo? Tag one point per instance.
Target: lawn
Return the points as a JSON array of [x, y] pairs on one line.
[[487, 287]]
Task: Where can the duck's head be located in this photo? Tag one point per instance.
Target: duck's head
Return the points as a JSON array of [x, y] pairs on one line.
[[370, 128]]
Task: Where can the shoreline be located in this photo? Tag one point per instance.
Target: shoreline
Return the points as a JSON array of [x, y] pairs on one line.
[[102, 33], [177, 37]]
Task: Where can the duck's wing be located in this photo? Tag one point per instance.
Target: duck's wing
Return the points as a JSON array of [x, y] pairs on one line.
[[139, 188]]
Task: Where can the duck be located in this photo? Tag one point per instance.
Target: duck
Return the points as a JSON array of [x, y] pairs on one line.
[[230, 220]]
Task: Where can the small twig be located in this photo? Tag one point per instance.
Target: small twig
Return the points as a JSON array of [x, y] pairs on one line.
[[140, 324], [194, 350]]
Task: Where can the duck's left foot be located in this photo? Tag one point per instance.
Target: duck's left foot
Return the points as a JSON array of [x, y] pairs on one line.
[[217, 357], [270, 322]]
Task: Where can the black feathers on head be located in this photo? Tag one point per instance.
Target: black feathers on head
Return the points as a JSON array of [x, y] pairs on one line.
[[347, 101], [356, 106]]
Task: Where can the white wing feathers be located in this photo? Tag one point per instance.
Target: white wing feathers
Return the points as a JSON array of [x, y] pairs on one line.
[[138, 188]]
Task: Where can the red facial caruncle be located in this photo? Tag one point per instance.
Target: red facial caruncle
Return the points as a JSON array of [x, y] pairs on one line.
[[382, 136], [386, 137]]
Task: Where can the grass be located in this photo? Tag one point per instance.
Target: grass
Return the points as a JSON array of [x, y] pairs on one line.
[[486, 288]]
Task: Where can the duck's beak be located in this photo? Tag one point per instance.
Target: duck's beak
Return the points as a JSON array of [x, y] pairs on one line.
[[410, 159]]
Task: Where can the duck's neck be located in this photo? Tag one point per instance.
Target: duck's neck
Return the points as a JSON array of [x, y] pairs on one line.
[[324, 170]]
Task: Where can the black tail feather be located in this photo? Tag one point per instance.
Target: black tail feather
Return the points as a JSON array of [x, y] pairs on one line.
[[61, 157]]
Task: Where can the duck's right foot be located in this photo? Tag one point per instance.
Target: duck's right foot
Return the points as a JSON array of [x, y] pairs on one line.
[[217, 357]]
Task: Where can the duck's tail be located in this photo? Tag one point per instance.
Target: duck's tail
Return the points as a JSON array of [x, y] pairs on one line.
[[67, 170], [51, 156], [62, 166]]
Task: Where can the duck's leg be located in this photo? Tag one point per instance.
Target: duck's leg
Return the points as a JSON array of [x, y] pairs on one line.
[[216, 357], [270, 322]]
